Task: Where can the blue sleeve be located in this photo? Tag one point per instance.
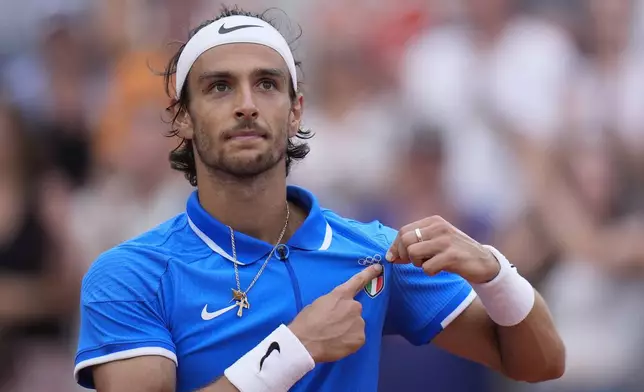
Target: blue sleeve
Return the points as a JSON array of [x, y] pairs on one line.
[[420, 306], [121, 313]]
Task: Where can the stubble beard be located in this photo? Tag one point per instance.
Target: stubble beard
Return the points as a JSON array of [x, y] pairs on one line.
[[237, 167]]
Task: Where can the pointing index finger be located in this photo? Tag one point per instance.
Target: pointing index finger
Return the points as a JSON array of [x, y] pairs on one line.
[[358, 281]]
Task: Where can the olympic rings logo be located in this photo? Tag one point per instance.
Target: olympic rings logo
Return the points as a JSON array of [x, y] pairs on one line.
[[376, 259]]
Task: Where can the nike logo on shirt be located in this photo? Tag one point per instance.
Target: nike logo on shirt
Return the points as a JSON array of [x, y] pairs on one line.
[[206, 315]]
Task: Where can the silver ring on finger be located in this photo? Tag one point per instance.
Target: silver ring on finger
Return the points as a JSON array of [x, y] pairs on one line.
[[419, 235]]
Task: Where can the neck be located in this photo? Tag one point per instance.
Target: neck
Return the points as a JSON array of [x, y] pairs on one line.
[[254, 206]]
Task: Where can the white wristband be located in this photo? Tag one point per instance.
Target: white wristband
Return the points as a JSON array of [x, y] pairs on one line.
[[274, 365], [509, 297]]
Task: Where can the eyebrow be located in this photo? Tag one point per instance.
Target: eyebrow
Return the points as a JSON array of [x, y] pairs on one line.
[[215, 75], [272, 72]]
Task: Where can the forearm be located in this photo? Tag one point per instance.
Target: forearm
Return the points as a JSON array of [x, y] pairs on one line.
[[524, 337], [221, 385], [531, 351]]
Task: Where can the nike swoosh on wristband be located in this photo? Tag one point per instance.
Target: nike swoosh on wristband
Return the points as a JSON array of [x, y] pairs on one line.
[[206, 316], [224, 30], [273, 347]]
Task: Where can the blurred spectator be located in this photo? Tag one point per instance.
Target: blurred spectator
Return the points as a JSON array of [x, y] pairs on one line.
[[607, 93], [418, 188], [133, 188], [357, 132], [19, 20], [39, 282], [595, 290], [126, 25], [55, 89], [495, 85], [493, 82], [592, 206], [418, 191]]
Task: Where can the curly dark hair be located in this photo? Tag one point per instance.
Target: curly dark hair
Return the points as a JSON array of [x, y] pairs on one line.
[[182, 158]]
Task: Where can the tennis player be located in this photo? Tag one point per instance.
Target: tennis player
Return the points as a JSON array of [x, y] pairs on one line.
[[256, 287]]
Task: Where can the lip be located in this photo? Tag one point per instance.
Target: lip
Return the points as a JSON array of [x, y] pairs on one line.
[[245, 134]]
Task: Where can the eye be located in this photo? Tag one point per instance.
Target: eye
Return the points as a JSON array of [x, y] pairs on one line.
[[219, 87], [267, 84]]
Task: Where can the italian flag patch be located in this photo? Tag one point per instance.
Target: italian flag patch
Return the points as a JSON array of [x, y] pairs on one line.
[[376, 285]]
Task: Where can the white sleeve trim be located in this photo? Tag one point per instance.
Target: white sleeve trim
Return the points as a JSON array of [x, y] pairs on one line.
[[126, 354], [459, 309]]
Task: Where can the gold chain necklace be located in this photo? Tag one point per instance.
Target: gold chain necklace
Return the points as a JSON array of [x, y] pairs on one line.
[[241, 297]]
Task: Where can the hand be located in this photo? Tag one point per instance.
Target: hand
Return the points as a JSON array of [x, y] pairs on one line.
[[332, 327], [443, 248]]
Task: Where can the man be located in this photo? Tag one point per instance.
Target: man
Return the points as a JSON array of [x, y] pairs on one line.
[[311, 294]]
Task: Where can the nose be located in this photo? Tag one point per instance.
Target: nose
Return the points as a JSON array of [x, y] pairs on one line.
[[246, 108]]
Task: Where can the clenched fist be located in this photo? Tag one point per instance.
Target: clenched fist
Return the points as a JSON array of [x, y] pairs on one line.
[[332, 327]]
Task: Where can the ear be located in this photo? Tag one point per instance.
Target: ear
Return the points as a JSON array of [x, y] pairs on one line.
[[295, 118], [184, 125]]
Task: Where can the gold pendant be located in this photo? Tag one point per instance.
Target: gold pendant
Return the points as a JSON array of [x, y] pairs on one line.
[[237, 295], [242, 301]]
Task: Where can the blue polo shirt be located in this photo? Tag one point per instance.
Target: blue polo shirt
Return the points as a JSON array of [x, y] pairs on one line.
[[168, 293]]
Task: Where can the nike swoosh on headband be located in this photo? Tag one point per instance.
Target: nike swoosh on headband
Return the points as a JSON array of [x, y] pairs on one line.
[[224, 30]]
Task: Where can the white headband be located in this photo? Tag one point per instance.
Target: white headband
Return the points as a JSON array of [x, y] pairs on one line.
[[229, 30]]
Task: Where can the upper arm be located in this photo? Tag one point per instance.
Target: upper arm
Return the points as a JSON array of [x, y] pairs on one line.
[[421, 306], [140, 374], [122, 317], [472, 336]]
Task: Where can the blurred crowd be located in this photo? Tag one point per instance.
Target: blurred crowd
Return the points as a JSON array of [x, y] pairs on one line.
[[519, 121]]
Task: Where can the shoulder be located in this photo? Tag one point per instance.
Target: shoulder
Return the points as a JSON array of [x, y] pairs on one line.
[[132, 270], [374, 231]]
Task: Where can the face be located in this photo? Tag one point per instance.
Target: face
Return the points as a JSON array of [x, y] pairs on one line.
[[240, 114]]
